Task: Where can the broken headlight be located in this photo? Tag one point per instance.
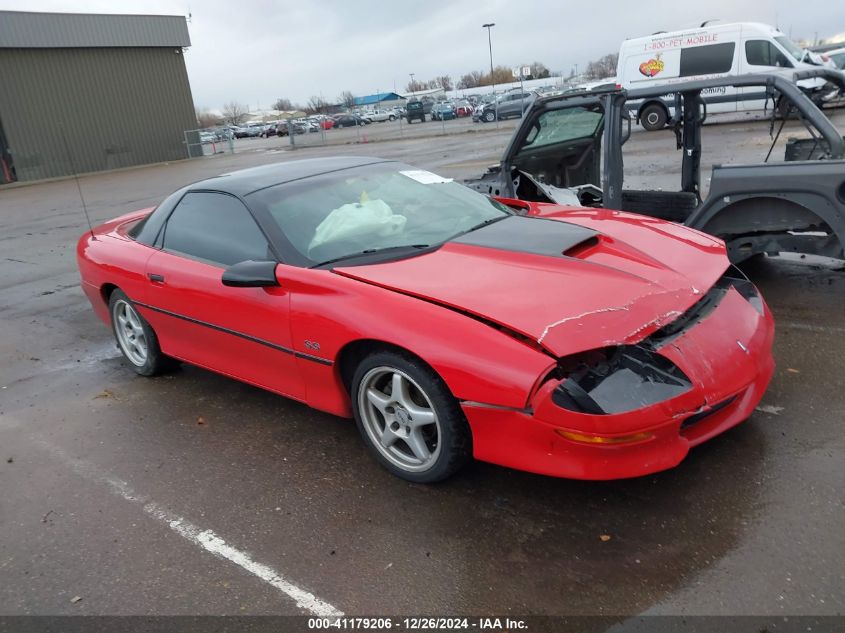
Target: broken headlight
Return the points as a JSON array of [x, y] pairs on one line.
[[617, 380]]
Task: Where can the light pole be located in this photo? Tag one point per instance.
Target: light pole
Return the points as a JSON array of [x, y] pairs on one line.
[[413, 87], [489, 26]]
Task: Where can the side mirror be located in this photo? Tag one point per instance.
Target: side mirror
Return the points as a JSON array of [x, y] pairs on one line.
[[251, 274]]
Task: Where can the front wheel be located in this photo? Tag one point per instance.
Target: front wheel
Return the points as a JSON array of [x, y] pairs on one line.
[[489, 116], [408, 418], [135, 338]]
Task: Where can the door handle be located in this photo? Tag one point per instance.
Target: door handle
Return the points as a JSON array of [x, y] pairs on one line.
[[156, 277]]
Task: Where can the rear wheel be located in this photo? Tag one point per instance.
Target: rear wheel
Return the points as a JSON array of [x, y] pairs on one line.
[[408, 418], [135, 338], [654, 117]]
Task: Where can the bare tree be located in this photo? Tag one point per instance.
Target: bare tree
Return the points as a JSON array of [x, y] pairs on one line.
[[602, 68], [283, 104], [539, 71], [445, 82], [206, 118], [346, 99], [316, 104], [235, 112], [470, 80]]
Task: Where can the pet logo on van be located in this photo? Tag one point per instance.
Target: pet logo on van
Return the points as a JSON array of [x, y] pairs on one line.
[[652, 67]]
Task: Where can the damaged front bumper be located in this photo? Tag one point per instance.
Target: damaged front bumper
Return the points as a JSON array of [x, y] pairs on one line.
[[725, 357]]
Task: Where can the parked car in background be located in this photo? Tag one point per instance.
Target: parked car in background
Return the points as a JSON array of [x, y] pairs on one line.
[[415, 111], [268, 131], [443, 112], [837, 55], [463, 108], [222, 134], [206, 137], [282, 128], [252, 130], [381, 115], [348, 120], [508, 105]]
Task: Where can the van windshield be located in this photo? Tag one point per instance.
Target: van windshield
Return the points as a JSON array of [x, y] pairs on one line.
[[791, 47]]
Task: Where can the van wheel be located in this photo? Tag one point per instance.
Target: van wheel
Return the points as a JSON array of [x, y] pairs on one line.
[[654, 117]]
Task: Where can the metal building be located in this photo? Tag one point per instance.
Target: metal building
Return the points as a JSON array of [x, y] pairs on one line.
[[82, 93]]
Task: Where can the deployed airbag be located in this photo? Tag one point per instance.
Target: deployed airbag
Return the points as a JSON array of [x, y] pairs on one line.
[[364, 218]]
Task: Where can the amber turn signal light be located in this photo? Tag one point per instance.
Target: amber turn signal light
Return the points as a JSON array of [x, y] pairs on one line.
[[585, 438]]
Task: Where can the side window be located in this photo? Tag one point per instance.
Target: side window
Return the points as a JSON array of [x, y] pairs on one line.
[[707, 60], [764, 53], [216, 228], [561, 126]]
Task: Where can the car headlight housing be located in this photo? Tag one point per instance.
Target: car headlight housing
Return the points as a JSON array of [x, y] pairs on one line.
[[629, 377], [617, 380]]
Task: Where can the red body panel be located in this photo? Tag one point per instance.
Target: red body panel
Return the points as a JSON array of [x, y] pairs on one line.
[[444, 306], [611, 293], [193, 289]]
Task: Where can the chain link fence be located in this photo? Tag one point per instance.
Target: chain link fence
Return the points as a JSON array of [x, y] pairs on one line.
[[376, 119]]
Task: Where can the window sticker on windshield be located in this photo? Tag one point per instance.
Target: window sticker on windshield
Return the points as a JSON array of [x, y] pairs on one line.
[[425, 177]]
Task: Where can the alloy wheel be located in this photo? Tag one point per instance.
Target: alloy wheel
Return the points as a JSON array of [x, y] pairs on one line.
[[399, 418]]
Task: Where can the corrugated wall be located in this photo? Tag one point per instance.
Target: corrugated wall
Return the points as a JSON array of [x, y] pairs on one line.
[[24, 29], [115, 107]]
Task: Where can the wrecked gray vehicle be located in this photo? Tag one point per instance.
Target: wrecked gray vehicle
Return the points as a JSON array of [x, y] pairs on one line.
[[568, 150]]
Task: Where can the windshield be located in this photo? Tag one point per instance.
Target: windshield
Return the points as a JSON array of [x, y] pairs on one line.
[[791, 47], [373, 208]]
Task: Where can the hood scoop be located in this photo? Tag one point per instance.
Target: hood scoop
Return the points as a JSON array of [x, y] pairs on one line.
[[538, 236]]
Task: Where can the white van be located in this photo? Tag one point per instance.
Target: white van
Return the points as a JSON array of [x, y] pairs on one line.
[[704, 53]]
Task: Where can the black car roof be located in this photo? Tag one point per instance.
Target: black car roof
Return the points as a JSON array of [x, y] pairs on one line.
[[246, 181]]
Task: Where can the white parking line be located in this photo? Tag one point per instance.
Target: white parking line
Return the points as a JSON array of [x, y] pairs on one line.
[[206, 539]]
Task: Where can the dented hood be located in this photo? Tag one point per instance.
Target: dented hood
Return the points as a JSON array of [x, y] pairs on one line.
[[569, 287]]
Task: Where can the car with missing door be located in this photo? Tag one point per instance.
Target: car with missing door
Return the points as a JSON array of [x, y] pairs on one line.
[[566, 341], [568, 150]]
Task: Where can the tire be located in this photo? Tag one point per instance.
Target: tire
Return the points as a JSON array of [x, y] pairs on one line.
[[653, 117], [489, 116], [135, 338], [426, 450], [391, 118]]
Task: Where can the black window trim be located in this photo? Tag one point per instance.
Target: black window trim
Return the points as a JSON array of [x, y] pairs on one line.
[[158, 243], [695, 50]]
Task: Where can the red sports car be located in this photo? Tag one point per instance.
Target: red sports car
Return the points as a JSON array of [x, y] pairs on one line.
[[572, 342]]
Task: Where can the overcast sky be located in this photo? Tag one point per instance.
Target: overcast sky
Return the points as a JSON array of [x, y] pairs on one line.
[[254, 51]]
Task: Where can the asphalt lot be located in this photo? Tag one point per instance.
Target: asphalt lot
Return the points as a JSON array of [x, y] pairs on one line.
[[195, 494]]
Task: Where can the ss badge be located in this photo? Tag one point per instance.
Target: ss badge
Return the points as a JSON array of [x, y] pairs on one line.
[[312, 345]]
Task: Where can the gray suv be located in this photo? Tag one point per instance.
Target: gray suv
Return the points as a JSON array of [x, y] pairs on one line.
[[511, 104]]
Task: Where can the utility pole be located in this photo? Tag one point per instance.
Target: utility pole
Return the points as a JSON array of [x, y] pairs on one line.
[[489, 26]]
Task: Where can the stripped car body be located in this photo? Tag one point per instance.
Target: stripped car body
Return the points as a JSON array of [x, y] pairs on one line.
[[796, 205], [567, 348]]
